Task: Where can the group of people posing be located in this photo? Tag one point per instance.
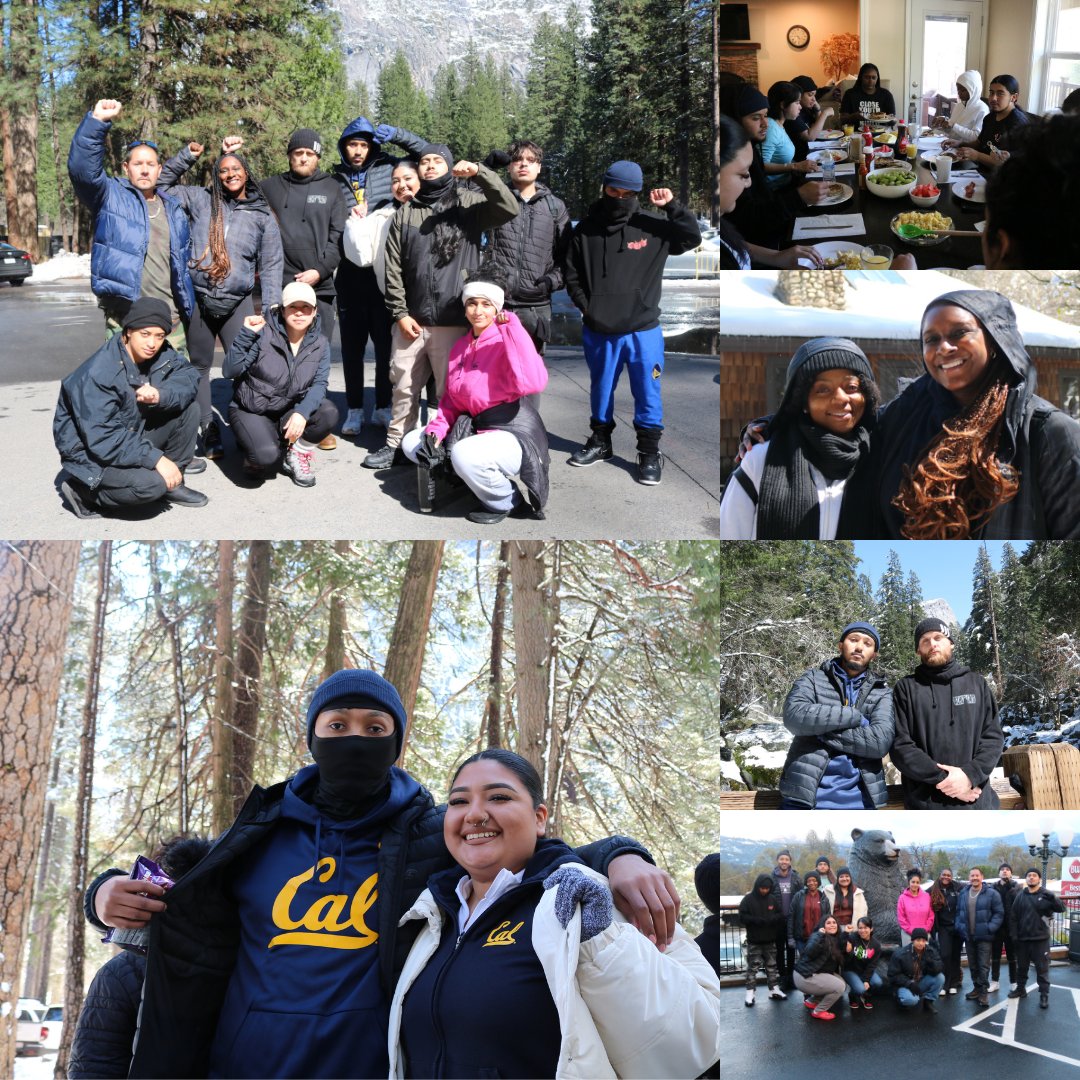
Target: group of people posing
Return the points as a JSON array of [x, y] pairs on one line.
[[1031, 164], [966, 451], [446, 269], [814, 933]]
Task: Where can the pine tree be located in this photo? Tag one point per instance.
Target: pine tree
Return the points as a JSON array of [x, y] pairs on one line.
[[983, 647], [446, 107], [399, 101], [893, 620], [481, 124]]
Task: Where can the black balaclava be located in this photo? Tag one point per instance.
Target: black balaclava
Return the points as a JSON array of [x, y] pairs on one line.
[[618, 211], [431, 191]]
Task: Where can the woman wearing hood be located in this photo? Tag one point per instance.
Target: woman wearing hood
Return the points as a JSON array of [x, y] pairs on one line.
[[969, 451], [966, 120], [233, 236], [793, 486]]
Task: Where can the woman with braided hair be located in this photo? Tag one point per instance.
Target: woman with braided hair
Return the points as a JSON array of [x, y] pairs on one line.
[[233, 235], [969, 451]]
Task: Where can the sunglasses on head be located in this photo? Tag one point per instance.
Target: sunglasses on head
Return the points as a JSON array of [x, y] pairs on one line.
[[142, 142]]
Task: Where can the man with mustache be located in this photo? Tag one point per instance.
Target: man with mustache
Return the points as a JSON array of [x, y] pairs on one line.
[[841, 717], [948, 738]]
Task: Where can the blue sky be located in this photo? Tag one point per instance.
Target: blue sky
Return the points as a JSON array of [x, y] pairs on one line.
[[944, 567]]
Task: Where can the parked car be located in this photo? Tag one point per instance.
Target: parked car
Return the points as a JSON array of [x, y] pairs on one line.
[[30, 1032], [53, 1020], [15, 264]]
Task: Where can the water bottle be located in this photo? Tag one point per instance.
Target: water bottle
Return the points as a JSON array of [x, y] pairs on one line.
[[828, 169]]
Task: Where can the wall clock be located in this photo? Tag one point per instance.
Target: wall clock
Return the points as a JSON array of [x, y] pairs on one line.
[[798, 37]]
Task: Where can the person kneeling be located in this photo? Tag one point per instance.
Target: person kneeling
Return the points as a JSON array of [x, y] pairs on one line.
[[126, 419], [280, 367], [492, 433]]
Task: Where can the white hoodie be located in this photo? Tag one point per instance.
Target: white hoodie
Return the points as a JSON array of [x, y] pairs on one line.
[[966, 120]]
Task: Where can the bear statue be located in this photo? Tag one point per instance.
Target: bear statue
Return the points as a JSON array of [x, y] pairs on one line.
[[875, 868]]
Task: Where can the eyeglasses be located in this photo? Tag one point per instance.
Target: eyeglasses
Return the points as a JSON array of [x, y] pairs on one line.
[[142, 142]]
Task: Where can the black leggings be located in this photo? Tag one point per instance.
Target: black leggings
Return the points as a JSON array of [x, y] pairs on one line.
[[259, 434], [202, 333]]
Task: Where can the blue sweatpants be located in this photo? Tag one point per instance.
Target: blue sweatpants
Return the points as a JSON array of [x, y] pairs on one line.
[[643, 355]]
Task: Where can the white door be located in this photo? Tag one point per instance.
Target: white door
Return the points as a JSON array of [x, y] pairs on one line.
[[945, 37]]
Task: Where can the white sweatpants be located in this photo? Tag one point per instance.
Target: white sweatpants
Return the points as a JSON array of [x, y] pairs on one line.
[[487, 462]]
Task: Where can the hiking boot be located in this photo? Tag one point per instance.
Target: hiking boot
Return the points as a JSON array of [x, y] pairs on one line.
[[776, 994], [298, 466], [195, 465], [749, 998], [386, 457], [329, 443], [353, 422], [382, 417], [597, 447], [1044, 1001], [211, 438], [972, 996], [984, 1001], [184, 496], [79, 498], [1017, 993], [649, 467]]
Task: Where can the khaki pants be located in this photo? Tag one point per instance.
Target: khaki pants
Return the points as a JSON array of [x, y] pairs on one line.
[[412, 363]]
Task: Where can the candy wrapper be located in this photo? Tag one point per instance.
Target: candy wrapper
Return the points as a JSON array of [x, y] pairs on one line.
[[137, 940]]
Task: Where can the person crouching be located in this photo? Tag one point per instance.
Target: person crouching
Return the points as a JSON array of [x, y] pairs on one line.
[[281, 367], [492, 434]]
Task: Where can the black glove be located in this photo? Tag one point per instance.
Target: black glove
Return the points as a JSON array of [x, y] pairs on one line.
[[430, 452], [497, 159]]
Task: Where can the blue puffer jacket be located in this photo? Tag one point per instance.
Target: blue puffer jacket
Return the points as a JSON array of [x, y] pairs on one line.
[[379, 168], [989, 914], [122, 225], [252, 239], [99, 423]]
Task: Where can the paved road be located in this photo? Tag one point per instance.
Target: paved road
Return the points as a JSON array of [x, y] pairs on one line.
[[47, 329]]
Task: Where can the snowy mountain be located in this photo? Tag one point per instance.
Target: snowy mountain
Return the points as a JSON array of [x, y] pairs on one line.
[[742, 852], [940, 608]]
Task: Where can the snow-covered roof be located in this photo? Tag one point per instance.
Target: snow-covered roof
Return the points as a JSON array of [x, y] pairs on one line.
[[886, 305]]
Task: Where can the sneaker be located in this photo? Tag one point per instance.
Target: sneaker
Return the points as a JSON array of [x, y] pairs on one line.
[[593, 451], [776, 994], [983, 1001], [993, 986], [810, 1003], [329, 443], [649, 467], [749, 998], [971, 996], [944, 992], [953, 989], [353, 422], [1017, 994], [382, 417], [195, 465], [184, 496], [823, 1015], [867, 1003], [1044, 1001], [386, 457], [79, 499], [212, 448], [853, 1001], [297, 465]]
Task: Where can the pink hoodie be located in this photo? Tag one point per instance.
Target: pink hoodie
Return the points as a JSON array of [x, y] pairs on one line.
[[501, 365], [913, 911]]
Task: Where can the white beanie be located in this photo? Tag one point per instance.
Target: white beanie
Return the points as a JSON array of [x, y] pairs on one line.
[[486, 289]]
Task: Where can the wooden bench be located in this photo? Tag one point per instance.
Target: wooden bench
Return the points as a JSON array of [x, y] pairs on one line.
[[770, 800]]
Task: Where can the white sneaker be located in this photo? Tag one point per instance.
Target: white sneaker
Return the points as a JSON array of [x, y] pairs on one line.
[[353, 422], [992, 987], [777, 994], [1012, 986], [749, 997], [944, 992], [382, 417], [952, 989]]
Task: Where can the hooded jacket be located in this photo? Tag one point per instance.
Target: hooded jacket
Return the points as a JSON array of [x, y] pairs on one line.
[[817, 958], [122, 224], [1040, 441], [268, 378], [914, 911], [614, 270], [530, 249], [415, 285], [989, 915], [945, 715], [310, 212], [762, 916], [825, 728], [1027, 918], [1008, 893], [374, 178], [252, 239], [623, 1008], [902, 966], [967, 118], [796, 880], [795, 913], [864, 956], [98, 423]]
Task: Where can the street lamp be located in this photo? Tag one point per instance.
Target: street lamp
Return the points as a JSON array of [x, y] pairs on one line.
[[1044, 851]]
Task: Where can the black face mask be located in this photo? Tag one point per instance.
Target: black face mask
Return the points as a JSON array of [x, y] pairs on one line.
[[619, 210], [352, 770]]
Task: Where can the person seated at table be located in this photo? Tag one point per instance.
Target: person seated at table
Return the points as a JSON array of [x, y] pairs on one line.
[[736, 157], [1031, 221], [761, 215], [867, 97], [810, 122], [793, 486], [966, 120], [778, 156], [994, 141]]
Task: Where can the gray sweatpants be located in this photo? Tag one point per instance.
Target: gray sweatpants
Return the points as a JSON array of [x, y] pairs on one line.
[[826, 990], [486, 462]]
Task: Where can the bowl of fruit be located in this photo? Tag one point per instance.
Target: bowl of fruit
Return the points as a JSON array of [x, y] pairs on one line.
[[893, 183], [925, 195]]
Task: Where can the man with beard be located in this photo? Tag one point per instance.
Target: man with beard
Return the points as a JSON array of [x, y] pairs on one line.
[[1031, 934], [948, 739], [1007, 887], [613, 275], [841, 717], [786, 883]]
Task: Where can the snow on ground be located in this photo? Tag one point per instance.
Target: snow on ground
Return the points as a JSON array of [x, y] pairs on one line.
[[35, 1068], [59, 268]]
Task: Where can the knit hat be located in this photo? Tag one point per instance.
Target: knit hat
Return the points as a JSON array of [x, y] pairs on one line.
[[437, 148], [919, 934], [1004, 866], [747, 99], [805, 84], [623, 174], [811, 874], [845, 870], [822, 859], [784, 852], [148, 311], [931, 626], [863, 628], [298, 292], [358, 688], [1033, 870], [305, 139], [823, 354], [487, 289]]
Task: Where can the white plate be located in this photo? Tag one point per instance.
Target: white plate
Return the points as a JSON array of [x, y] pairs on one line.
[[958, 187], [832, 247], [821, 156], [831, 133], [836, 200]]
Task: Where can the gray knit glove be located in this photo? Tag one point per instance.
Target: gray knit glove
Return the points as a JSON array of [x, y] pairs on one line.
[[574, 889]]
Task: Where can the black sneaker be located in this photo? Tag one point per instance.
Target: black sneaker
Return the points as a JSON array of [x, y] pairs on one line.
[[486, 517], [1017, 993], [1044, 1001], [649, 467], [386, 457], [212, 448], [195, 465], [184, 496], [593, 451], [78, 497]]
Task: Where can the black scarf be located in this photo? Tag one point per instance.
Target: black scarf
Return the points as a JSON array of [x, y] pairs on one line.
[[431, 191], [354, 773], [787, 503]]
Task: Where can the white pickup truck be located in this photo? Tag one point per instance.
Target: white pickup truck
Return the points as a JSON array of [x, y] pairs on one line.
[[30, 1033]]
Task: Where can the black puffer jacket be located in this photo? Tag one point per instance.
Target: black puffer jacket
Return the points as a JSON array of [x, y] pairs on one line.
[[1027, 917], [761, 915], [108, 1019], [945, 715], [902, 965], [1037, 439], [818, 957], [824, 727], [530, 249]]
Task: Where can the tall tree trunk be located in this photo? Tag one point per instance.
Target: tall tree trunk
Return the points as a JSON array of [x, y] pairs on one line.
[[249, 657], [222, 812], [335, 633], [148, 68], [37, 579], [21, 128], [80, 853], [405, 656], [493, 709], [63, 195], [716, 113]]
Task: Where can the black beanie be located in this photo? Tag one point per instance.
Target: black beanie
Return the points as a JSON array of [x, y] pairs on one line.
[[148, 311], [305, 139], [437, 148], [805, 84], [928, 626], [823, 354], [747, 99], [919, 933]]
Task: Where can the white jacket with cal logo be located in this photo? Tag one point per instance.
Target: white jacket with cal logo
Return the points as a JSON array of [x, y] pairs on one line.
[[625, 1009]]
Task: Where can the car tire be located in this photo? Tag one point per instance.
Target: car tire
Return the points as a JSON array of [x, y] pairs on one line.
[[17, 281]]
